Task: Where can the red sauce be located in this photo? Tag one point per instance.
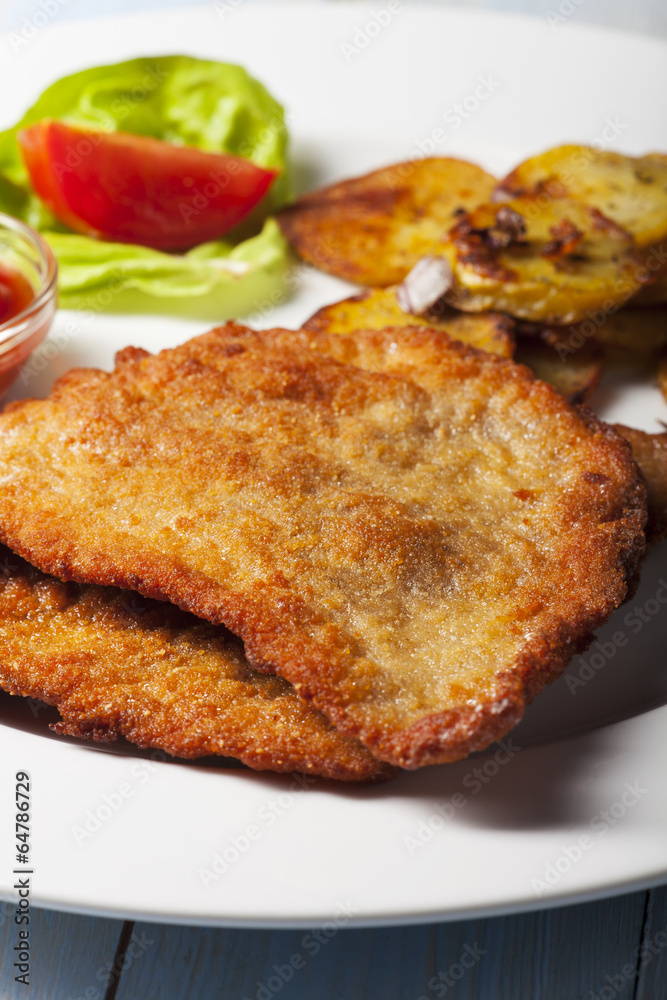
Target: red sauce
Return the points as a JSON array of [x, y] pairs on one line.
[[15, 293]]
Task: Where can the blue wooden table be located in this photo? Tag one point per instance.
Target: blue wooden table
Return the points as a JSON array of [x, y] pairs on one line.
[[610, 950]]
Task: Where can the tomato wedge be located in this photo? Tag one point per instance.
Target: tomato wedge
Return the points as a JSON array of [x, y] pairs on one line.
[[135, 189]]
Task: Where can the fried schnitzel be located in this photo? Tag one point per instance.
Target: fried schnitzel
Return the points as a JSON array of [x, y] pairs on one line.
[[417, 534], [116, 663]]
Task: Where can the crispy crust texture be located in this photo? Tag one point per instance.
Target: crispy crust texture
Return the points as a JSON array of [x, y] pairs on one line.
[[373, 229], [416, 534], [116, 664]]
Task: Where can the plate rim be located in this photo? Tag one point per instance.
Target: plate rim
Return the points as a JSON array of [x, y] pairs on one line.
[[612, 888]]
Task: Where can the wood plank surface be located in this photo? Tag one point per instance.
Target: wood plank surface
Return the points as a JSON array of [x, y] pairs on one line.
[[69, 955], [577, 952], [558, 954], [652, 984], [586, 952]]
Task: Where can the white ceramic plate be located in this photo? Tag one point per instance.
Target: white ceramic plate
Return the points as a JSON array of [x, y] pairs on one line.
[[581, 809]]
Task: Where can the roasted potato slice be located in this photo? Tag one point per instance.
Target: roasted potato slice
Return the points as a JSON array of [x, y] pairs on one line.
[[662, 375], [377, 308], [650, 454], [371, 230], [637, 331], [653, 293], [629, 190], [549, 263], [575, 374]]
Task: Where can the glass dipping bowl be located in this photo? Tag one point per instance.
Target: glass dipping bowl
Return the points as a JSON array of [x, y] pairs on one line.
[[23, 250]]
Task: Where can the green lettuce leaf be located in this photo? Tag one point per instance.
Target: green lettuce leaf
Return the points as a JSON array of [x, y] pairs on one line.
[[212, 106], [214, 281]]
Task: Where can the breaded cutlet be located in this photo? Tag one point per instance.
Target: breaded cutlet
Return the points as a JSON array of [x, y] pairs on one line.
[[117, 664], [416, 534]]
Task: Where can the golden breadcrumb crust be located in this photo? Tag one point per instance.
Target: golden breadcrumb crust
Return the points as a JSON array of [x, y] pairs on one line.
[[418, 535], [115, 663]]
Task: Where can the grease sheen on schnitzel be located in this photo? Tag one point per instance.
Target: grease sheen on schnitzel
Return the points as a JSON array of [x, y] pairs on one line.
[[418, 535], [115, 664]]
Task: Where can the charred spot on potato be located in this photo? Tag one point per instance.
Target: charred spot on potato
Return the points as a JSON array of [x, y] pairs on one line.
[[566, 238], [542, 260], [628, 191], [375, 228]]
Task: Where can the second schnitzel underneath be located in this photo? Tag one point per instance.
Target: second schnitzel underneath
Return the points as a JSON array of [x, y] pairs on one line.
[[416, 534]]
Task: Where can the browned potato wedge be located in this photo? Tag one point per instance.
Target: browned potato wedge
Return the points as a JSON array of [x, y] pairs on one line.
[[377, 308], [371, 230], [654, 293], [629, 190], [548, 263], [575, 375], [662, 375], [639, 331], [650, 454]]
